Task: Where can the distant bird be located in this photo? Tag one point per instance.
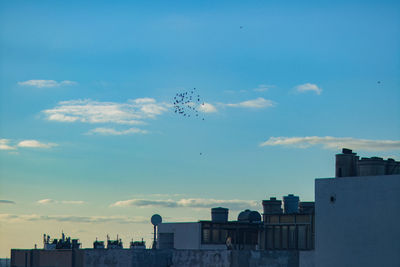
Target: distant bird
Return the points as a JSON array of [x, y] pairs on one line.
[[379, 81], [241, 27]]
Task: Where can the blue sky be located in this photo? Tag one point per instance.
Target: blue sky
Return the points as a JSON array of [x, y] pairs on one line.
[[89, 142]]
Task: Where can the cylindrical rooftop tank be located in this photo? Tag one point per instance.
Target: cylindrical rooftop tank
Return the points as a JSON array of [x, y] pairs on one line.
[[371, 166], [346, 163], [219, 214], [249, 216], [291, 204], [272, 206]]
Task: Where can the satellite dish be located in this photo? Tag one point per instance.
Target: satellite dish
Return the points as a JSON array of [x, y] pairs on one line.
[[156, 219]]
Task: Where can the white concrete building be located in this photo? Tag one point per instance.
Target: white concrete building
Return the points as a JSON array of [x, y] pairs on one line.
[[357, 221], [183, 236]]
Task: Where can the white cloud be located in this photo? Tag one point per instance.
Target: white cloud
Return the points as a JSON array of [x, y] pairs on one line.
[[307, 87], [88, 111], [207, 108], [46, 83], [330, 142], [62, 117], [4, 145], [263, 88], [47, 201], [7, 218], [35, 144], [234, 204], [3, 201], [145, 202], [254, 103], [73, 202], [144, 100], [112, 131]]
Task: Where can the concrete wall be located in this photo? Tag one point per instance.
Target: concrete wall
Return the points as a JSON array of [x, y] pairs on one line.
[[231, 258], [186, 235], [307, 258], [160, 258], [201, 258], [357, 221], [126, 258], [273, 258], [39, 257]]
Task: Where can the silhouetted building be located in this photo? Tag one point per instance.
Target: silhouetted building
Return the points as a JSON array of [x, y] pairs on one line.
[[292, 230], [218, 233], [348, 164]]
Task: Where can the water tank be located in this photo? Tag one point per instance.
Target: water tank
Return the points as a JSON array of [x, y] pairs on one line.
[[272, 206], [291, 204], [371, 166], [249, 216], [219, 214], [346, 163], [307, 207]]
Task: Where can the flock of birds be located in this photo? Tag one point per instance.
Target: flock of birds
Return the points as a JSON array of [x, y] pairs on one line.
[[187, 103]]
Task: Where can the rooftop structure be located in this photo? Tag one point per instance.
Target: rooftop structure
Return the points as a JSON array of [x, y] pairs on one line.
[[278, 230], [357, 216], [354, 222], [62, 243], [348, 164]]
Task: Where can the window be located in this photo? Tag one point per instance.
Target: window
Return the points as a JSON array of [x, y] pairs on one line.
[[206, 236], [215, 236], [284, 237], [292, 236], [277, 237], [302, 237], [269, 232]]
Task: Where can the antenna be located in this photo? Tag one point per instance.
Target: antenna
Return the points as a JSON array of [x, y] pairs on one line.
[[155, 220]]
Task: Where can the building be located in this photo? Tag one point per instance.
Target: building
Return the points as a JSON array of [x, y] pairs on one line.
[[278, 229], [348, 164], [218, 233], [358, 213], [292, 229], [353, 222]]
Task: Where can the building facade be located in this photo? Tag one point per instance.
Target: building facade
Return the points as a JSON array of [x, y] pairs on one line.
[[357, 217]]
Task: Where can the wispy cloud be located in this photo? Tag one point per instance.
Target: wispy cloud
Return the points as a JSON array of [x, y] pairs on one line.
[[71, 218], [4, 145], [112, 131], [3, 201], [35, 144], [48, 201], [253, 104], [207, 108], [309, 87], [46, 83], [89, 111], [329, 142], [73, 202], [234, 204], [263, 88]]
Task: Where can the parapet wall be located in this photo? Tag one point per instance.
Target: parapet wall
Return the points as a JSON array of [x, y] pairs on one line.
[[154, 258]]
